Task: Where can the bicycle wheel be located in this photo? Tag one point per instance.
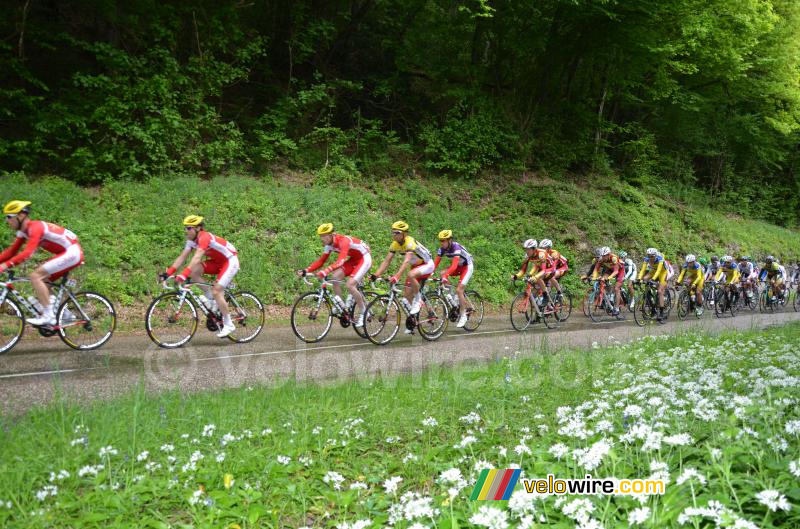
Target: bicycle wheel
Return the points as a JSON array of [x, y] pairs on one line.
[[734, 303], [588, 298], [354, 313], [563, 304], [474, 310], [171, 320], [247, 313], [550, 315], [684, 304], [382, 320], [721, 303], [12, 324], [596, 307], [86, 320], [522, 311], [432, 317], [311, 317], [644, 310]]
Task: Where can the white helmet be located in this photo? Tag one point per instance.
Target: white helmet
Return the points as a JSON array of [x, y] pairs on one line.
[[605, 250], [651, 251], [545, 244], [691, 258], [530, 243], [727, 258], [598, 252]]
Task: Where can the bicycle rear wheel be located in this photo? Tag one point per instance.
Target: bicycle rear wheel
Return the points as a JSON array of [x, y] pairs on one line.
[[474, 310], [12, 325], [311, 317], [382, 320], [522, 311], [796, 301], [432, 318], [563, 304], [644, 310], [596, 309], [247, 313], [550, 315], [354, 313], [171, 320]]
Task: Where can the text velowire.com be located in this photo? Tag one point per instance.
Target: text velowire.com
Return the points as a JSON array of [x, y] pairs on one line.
[[589, 486]]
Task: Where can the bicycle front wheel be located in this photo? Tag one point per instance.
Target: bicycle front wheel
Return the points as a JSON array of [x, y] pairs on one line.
[[86, 320], [474, 310], [171, 320], [355, 313], [382, 320], [12, 324], [522, 311], [432, 318], [595, 307], [563, 304], [684, 304], [311, 317], [247, 313]]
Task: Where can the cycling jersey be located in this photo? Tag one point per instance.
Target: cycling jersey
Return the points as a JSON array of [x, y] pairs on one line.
[[541, 264], [693, 271], [420, 254], [53, 239], [748, 270], [610, 265], [462, 262], [216, 248], [711, 271], [658, 267], [348, 248], [730, 271], [558, 260], [771, 271], [630, 269]]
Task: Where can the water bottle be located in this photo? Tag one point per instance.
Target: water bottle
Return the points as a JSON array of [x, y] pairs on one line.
[[339, 303], [35, 304], [449, 297], [406, 304]]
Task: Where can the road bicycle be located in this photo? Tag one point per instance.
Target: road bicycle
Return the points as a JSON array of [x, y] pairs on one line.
[[727, 301], [84, 320], [313, 312], [687, 303], [601, 300], [171, 319], [710, 294], [646, 308], [749, 297], [384, 314], [474, 309], [528, 307], [770, 300]]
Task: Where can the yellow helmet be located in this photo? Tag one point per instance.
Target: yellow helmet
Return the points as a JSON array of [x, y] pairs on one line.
[[193, 220], [400, 226], [445, 234], [325, 229], [16, 206]]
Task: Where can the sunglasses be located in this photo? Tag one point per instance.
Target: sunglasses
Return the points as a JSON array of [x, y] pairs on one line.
[[11, 216], [190, 228], [397, 232]]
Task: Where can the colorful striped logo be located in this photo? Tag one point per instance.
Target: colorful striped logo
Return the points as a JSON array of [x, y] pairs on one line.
[[495, 484]]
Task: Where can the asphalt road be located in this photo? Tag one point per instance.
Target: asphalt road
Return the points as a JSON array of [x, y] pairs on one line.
[[38, 368]]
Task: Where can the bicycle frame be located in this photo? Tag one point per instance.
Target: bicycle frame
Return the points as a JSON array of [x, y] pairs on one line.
[[186, 291], [62, 289]]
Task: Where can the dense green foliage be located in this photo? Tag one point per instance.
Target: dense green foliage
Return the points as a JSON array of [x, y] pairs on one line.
[[712, 416], [131, 230], [703, 93]]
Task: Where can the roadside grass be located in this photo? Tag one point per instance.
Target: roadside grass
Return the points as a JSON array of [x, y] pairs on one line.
[[131, 230], [715, 416]]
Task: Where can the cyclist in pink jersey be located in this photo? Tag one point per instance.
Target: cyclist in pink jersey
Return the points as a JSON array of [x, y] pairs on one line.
[[221, 258], [51, 238], [354, 262]]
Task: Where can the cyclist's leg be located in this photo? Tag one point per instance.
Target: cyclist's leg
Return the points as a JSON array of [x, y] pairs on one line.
[[465, 275], [662, 286], [415, 275], [359, 270], [338, 275], [53, 269], [224, 278]]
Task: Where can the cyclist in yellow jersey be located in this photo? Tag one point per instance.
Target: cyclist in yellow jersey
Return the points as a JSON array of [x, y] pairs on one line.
[[416, 257], [654, 269], [694, 272], [730, 270], [775, 273]]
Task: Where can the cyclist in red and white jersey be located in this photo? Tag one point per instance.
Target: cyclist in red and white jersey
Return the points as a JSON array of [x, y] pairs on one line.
[[559, 262], [354, 262], [221, 258], [51, 238]]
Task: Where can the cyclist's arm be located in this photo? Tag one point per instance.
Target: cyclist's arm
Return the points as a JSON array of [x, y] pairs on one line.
[[197, 258], [698, 279], [763, 276], [523, 269], [406, 264], [436, 262], [9, 252], [680, 276], [661, 266], [720, 272], [453, 266], [35, 232], [385, 264], [179, 261], [596, 271], [642, 271], [736, 275], [344, 250]]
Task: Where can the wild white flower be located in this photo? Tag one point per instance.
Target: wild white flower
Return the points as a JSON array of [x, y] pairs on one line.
[[227, 439], [558, 450], [184, 436], [196, 497], [632, 410], [167, 448], [490, 517], [392, 440], [418, 525], [794, 468], [690, 473], [335, 479], [410, 457], [315, 431], [470, 418], [591, 458], [793, 427], [579, 510], [525, 398], [208, 430], [89, 470], [152, 466], [284, 460], [773, 500], [220, 457], [638, 516], [358, 485], [430, 422], [465, 441], [716, 453], [108, 451], [521, 503], [391, 484], [61, 476], [47, 490], [79, 441], [452, 476], [522, 448], [681, 439], [305, 461], [143, 456], [266, 431]]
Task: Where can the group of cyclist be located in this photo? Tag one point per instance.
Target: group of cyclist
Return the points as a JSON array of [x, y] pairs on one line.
[[544, 265]]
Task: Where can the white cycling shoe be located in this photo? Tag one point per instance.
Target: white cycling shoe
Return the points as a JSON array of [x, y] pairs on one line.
[[42, 320], [226, 331], [462, 320]]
